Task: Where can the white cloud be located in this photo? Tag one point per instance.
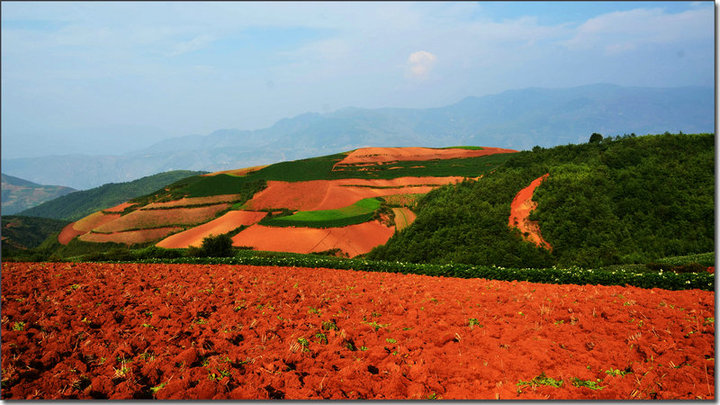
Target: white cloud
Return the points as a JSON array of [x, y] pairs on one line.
[[627, 30], [194, 44], [420, 64]]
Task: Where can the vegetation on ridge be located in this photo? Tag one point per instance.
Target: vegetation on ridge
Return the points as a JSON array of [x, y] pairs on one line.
[[623, 200]]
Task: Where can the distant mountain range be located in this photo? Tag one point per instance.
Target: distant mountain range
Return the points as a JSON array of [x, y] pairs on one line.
[[19, 194], [517, 119]]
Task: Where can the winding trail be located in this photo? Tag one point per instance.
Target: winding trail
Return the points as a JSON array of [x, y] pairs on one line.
[[520, 209]]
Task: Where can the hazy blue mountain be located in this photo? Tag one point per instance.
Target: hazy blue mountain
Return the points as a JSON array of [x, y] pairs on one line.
[[19, 194], [518, 119]]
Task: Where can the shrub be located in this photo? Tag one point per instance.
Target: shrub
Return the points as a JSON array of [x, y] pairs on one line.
[[214, 246]]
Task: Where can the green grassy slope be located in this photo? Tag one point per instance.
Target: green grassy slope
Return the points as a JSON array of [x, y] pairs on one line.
[[629, 200], [79, 204], [361, 211]]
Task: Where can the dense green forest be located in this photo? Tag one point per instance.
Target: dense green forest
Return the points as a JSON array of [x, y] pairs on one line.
[[615, 200], [27, 232], [79, 204]]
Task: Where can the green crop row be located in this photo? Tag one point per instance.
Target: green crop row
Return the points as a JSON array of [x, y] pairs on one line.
[[573, 275], [361, 211], [705, 259]]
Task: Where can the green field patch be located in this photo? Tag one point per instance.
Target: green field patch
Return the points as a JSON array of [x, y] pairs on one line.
[[361, 211]]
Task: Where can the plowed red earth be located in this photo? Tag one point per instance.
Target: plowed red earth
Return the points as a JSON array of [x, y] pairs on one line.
[[200, 331], [332, 194], [218, 226], [353, 239], [364, 156], [84, 225]]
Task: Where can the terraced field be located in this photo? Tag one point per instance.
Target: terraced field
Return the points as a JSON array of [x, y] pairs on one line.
[[342, 193]]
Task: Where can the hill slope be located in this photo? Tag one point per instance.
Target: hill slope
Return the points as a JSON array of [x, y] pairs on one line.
[[76, 205], [27, 232], [517, 119], [334, 203], [629, 200], [19, 194]]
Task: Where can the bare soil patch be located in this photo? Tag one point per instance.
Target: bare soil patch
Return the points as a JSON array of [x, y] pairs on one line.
[[520, 210], [129, 331], [226, 223], [353, 239], [363, 156]]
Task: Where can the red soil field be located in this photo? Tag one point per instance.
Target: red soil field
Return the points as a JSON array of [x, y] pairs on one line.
[[353, 239], [365, 156], [194, 201], [224, 224], [520, 210], [129, 237], [85, 225], [403, 218], [333, 194], [124, 331], [156, 218], [120, 207]]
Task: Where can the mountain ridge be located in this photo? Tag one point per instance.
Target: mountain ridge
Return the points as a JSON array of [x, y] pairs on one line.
[[516, 119]]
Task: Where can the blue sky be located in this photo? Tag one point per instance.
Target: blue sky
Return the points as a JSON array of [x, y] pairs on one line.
[[93, 77]]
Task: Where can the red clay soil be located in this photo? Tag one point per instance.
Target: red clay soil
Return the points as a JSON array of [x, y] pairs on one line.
[[85, 225], [119, 208], [142, 219], [353, 240], [520, 210], [218, 226], [124, 331], [194, 201], [129, 237], [365, 156], [403, 218], [333, 194]]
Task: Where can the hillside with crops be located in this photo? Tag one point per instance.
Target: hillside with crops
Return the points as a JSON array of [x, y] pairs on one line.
[[344, 203], [576, 272]]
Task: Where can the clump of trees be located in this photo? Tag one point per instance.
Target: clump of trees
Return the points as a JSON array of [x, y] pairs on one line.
[[213, 246]]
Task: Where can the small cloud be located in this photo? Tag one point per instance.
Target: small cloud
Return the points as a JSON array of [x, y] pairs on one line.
[[194, 44], [420, 63]]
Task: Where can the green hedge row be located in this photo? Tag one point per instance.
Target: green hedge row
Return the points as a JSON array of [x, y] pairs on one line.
[[573, 275]]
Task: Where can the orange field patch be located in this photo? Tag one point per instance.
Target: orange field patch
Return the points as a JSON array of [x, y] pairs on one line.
[[68, 233], [84, 225], [520, 210], [333, 194], [129, 237], [353, 240], [403, 218], [384, 155], [119, 208], [157, 218], [218, 226], [215, 199]]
